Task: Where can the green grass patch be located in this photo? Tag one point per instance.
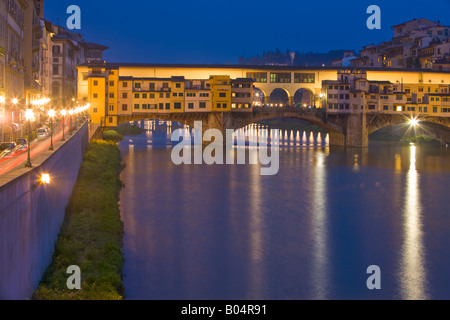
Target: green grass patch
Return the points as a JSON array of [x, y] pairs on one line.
[[112, 135], [419, 140], [128, 130], [92, 232]]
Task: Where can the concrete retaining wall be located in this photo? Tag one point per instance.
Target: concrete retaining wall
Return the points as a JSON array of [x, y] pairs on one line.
[[31, 216]]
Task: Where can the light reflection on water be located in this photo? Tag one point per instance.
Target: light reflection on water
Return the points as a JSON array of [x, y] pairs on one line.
[[310, 232], [413, 275]]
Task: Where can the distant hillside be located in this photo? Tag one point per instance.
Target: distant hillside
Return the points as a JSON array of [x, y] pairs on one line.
[[300, 58]]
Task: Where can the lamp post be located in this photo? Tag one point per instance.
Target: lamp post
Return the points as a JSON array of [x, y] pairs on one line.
[[64, 112], [29, 116], [51, 114], [70, 121]]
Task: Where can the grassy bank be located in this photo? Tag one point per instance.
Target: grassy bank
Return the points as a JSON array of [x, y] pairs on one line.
[[419, 140], [91, 235]]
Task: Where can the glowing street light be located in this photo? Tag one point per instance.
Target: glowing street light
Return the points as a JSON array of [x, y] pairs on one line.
[[45, 178], [51, 114], [29, 116], [413, 122], [15, 101], [64, 112]]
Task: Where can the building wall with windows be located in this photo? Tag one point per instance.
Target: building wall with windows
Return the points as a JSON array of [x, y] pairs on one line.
[[356, 94]]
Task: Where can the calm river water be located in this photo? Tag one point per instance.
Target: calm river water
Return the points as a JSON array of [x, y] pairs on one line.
[[309, 232]]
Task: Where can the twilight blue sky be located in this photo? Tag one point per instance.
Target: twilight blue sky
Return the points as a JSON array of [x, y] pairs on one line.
[[211, 31]]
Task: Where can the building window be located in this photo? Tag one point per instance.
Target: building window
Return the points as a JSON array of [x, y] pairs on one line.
[[152, 96], [218, 106], [224, 106], [125, 84], [95, 82], [56, 49], [124, 107], [222, 95], [136, 96], [435, 109], [95, 95], [181, 94], [161, 95], [175, 94], [386, 108], [144, 96], [177, 105], [203, 95], [190, 105], [136, 106], [260, 77], [167, 106], [304, 78], [202, 105], [152, 86], [161, 106], [111, 83], [190, 94], [167, 95], [111, 95], [55, 70], [95, 110], [137, 85], [178, 85], [111, 108], [144, 106], [110, 119], [280, 77], [125, 95]]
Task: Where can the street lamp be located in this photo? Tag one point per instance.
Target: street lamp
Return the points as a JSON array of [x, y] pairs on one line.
[[64, 112], [413, 122], [70, 119], [29, 116], [51, 114]]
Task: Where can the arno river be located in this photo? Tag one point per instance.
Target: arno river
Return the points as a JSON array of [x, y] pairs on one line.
[[309, 232]]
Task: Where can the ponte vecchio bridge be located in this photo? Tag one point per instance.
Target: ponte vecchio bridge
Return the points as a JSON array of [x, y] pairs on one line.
[[111, 104]]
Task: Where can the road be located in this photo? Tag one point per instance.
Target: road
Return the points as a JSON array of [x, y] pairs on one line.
[[38, 147]]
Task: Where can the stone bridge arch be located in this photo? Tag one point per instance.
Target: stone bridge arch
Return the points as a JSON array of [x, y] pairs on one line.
[[280, 96], [260, 97], [303, 97], [334, 127], [434, 127]]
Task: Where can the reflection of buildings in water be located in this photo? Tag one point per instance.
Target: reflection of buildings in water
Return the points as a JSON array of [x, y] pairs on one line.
[[413, 274]]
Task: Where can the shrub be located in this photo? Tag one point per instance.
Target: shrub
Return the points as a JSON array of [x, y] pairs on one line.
[[112, 135]]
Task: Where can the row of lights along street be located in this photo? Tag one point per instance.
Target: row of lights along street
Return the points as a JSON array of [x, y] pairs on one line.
[[29, 116]]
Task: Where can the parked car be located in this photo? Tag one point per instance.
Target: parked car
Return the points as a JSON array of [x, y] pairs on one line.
[[7, 146], [6, 149], [42, 133], [22, 142]]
